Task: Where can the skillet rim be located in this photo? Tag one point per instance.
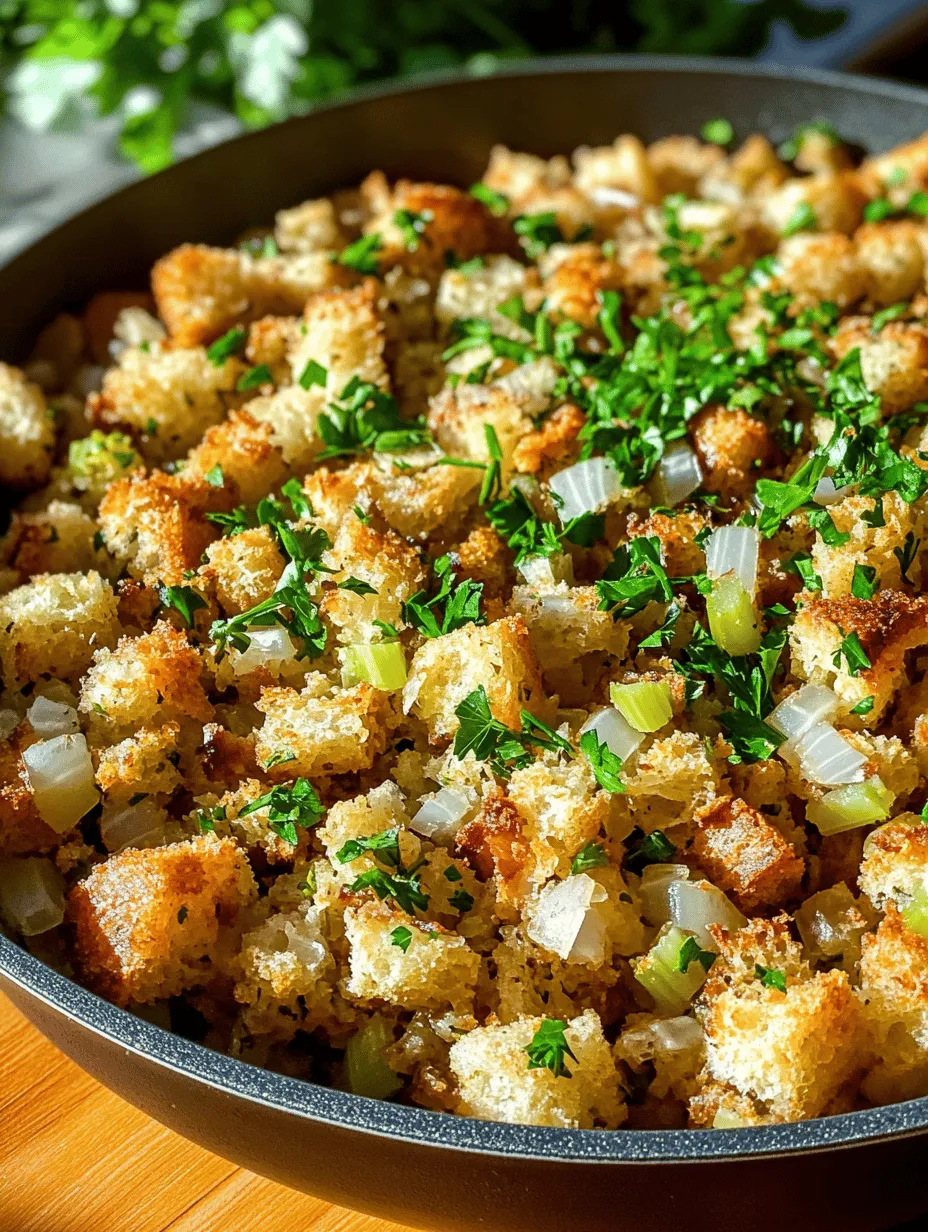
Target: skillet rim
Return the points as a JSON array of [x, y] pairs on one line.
[[420, 1126]]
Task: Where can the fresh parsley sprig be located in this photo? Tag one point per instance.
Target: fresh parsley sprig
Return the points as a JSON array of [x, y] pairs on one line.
[[454, 605]]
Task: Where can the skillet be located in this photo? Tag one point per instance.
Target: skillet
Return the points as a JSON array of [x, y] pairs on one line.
[[858, 1172]]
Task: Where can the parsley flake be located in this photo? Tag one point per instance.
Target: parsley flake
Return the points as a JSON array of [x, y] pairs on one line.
[[549, 1047]]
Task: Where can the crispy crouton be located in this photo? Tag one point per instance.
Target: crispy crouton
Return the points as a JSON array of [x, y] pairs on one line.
[[893, 256], [245, 569], [102, 313], [496, 844], [201, 292], [436, 970], [732, 447], [149, 924], [483, 557], [879, 547], [671, 779], [458, 420], [894, 985], [573, 289], [146, 681], [420, 504], [144, 762], [677, 533], [496, 1084], [478, 292], [60, 539], [895, 863], [553, 445], [516, 175], [564, 622], [814, 268], [270, 341], [54, 624], [897, 173], [888, 626], [744, 855], [155, 526], [623, 165], [679, 163], [242, 450], [26, 434], [312, 226], [382, 561], [165, 398], [446, 669], [792, 1051], [343, 332], [336, 733], [894, 362], [836, 201], [753, 170]]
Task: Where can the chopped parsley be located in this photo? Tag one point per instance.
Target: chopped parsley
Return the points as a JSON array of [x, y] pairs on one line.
[[461, 900], [864, 706], [549, 1047], [215, 477], [412, 226], [454, 605], [496, 202], [289, 805], [718, 132], [643, 849], [591, 855], [357, 586], [906, 555], [490, 740], [254, 378], [385, 846], [853, 654], [537, 232], [864, 582], [405, 890], [365, 418], [183, 599], [229, 344], [770, 977], [803, 218], [401, 937], [362, 255], [605, 764], [313, 374], [691, 951]]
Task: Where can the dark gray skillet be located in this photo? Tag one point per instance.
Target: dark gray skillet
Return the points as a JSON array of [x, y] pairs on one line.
[[861, 1171]]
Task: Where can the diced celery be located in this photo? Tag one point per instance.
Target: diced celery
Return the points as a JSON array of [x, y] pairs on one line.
[[725, 1119], [381, 664], [916, 913], [31, 895], [96, 460], [366, 1072], [659, 972], [732, 618], [646, 705], [855, 804]]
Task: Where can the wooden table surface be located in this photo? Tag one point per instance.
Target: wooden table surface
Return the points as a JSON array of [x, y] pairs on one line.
[[75, 1158]]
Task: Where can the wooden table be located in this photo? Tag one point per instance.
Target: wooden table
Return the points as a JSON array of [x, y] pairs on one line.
[[59, 1172]]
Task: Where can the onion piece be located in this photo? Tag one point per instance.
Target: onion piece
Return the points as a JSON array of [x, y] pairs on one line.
[[49, 718], [585, 487], [440, 817], [137, 825], [694, 905], [826, 757], [733, 621], [827, 494], [613, 730], [734, 549], [366, 1071], [654, 890], [547, 570], [647, 704], [678, 474], [565, 920], [31, 895], [267, 647], [659, 972], [605, 194], [61, 776], [802, 710], [851, 806], [381, 664]]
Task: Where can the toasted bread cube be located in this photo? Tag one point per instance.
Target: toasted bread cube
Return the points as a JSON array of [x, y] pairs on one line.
[[479, 292], [893, 255], [27, 437], [383, 561], [332, 734], [446, 669], [679, 163], [623, 165], [894, 760], [291, 413], [496, 844], [342, 331], [836, 200], [732, 446], [146, 681], [165, 398], [897, 173], [894, 985], [22, 830], [573, 288], [821, 267], [143, 763], [436, 970], [516, 175], [496, 1084], [155, 526], [875, 547], [483, 558], [895, 863], [458, 420], [383, 808], [270, 342], [745, 855], [674, 770], [562, 807], [791, 1050], [241, 447], [312, 226], [677, 533], [564, 622], [149, 924], [421, 504], [286, 975], [201, 292], [753, 170], [888, 626], [552, 446], [54, 624], [59, 539], [894, 362], [245, 569]]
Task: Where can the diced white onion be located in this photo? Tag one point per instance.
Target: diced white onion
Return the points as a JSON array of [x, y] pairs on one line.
[[587, 487], [137, 825], [827, 494], [614, 730], [270, 648], [694, 905], [810, 704], [734, 549], [654, 890], [679, 474], [565, 920], [50, 718], [826, 757], [440, 817], [31, 895], [559, 605], [663, 1035], [61, 776], [547, 570], [9, 721], [605, 194]]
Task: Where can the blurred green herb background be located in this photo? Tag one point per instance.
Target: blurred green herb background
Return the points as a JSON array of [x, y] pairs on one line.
[[147, 61]]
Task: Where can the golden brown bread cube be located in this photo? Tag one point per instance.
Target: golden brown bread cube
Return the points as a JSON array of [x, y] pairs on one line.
[[332, 732], [742, 853], [26, 433]]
